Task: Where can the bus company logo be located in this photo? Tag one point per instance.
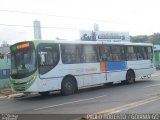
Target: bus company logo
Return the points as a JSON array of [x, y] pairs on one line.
[[9, 117], [91, 69]]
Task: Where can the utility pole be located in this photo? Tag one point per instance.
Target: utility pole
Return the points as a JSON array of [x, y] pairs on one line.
[[96, 27]]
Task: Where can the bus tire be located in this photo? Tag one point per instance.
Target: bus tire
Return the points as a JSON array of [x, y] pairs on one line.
[[130, 77], [68, 86]]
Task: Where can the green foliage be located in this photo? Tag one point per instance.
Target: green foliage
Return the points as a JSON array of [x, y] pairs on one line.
[[155, 38]]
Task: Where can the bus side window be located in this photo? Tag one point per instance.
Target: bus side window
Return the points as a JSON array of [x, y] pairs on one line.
[[71, 54], [150, 54], [145, 53], [140, 52], [118, 53], [106, 53], [66, 57], [131, 53], [123, 53], [89, 54]]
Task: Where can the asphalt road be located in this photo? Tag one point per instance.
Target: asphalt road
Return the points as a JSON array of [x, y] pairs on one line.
[[141, 98]]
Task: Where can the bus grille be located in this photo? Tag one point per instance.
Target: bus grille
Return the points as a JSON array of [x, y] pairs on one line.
[[20, 86]]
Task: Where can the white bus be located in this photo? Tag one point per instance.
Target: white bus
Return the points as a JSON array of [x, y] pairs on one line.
[[43, 66]]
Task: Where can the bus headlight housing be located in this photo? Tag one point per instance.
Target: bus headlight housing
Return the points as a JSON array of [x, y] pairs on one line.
[[32, 80]]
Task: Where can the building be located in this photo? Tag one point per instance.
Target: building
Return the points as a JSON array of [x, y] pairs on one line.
[[109, 36], [4, 65], [37, 29]]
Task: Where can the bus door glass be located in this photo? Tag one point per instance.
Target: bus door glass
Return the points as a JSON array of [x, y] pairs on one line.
[[48, 57]]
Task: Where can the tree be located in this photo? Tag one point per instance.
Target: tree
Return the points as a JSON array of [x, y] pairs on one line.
[[155, 38]]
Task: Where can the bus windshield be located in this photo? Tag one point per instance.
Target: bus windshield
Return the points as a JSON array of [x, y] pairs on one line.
[[23, 63]]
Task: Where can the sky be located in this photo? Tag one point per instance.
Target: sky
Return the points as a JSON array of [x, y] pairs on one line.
[[67, 17]]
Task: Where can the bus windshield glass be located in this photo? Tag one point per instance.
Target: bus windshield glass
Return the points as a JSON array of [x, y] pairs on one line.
[[23, 62]]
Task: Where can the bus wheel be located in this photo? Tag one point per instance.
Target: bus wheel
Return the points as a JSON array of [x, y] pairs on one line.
[[68, 86], [44, 93], [130, 77]]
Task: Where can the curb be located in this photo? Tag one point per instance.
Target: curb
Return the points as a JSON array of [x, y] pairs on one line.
[[10, 96], [15, 95], [3, 97]]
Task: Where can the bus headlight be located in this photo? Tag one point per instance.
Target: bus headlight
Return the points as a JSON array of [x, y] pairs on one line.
[[32, 80]]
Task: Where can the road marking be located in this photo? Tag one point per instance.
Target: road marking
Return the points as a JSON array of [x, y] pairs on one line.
[[129, 106], [151, 86], [124, 107], [70, 102]]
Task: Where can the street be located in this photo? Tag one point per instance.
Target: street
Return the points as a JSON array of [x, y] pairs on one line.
[[142, 97]]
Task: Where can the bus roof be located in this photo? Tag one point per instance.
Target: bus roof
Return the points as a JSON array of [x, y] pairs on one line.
[[89, 42]]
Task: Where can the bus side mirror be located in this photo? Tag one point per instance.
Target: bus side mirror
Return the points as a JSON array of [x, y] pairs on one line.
[[41, 58]]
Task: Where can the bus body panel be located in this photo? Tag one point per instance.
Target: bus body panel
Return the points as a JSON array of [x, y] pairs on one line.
[[41, 85], [35, 87], [116, 76], [141, 68], [85, 74], [89, 74]]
